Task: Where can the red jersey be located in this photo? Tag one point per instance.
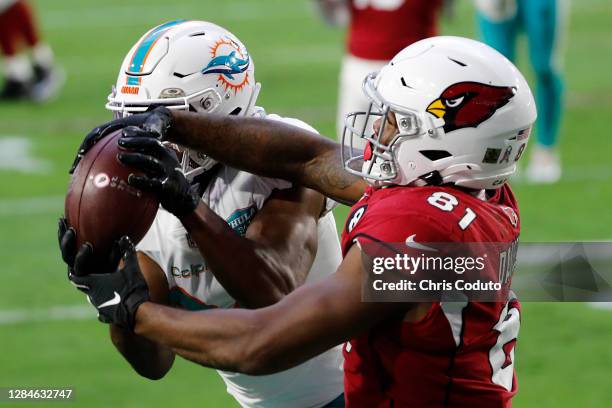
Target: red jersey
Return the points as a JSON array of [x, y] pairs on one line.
[[461, 354], [379, 29]]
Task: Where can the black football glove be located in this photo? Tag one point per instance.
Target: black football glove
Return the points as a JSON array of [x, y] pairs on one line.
[[117, 295], [79, 260], [154, 123], [164, 177]]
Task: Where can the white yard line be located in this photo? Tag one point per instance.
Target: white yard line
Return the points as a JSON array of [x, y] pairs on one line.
[[53, 313], [31, 205], [86, 312], [601, 305], [16, 155]]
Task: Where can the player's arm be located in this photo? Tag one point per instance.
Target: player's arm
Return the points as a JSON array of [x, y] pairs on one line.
[[260, 146], [269, 148], [274, 256], [305, 323], [148, 358]]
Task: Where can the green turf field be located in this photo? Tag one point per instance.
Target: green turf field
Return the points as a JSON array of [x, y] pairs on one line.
[[564, 356]]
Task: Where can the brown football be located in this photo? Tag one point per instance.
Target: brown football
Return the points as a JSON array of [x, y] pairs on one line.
[[100, 204]]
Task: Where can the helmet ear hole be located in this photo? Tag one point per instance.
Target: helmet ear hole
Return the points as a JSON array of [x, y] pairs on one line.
[[435, 155], [236, 111], [207, 104]]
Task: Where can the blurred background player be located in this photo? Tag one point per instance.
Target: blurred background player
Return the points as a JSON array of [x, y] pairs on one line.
[[248, 240], [377, 30], [32, 76], [544, 22]]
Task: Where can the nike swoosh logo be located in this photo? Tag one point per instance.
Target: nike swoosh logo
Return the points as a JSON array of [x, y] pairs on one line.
[[112, 302], [411, 243]]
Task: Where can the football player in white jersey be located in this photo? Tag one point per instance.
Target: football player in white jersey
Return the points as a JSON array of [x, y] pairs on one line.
[[200, 252]]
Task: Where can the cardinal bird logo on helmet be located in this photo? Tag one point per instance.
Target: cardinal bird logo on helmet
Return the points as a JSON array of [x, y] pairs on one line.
[[468, 104]]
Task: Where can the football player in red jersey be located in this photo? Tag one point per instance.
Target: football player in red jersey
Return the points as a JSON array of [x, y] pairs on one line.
[[377, 30], [37, 77], [453, 117]]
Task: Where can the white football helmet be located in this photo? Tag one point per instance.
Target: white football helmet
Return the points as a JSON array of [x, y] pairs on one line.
[[463, 111], [189, 65]]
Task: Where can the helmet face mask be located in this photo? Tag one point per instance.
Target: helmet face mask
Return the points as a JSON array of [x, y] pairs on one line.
[[461, 112], [378, 165], [193, 163], [194, 66], [205, 101]]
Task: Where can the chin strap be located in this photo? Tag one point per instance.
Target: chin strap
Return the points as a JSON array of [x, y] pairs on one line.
[[446, 176], [252, 99], [433, 178]]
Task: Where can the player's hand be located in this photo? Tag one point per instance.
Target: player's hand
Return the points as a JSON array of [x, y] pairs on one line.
[[117, 295], [154, 123], [79, 260], [164, 177]]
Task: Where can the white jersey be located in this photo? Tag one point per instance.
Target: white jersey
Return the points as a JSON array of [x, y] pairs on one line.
[[236, 196]]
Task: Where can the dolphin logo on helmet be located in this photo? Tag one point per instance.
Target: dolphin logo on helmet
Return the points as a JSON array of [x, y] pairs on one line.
[[228, 65]]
